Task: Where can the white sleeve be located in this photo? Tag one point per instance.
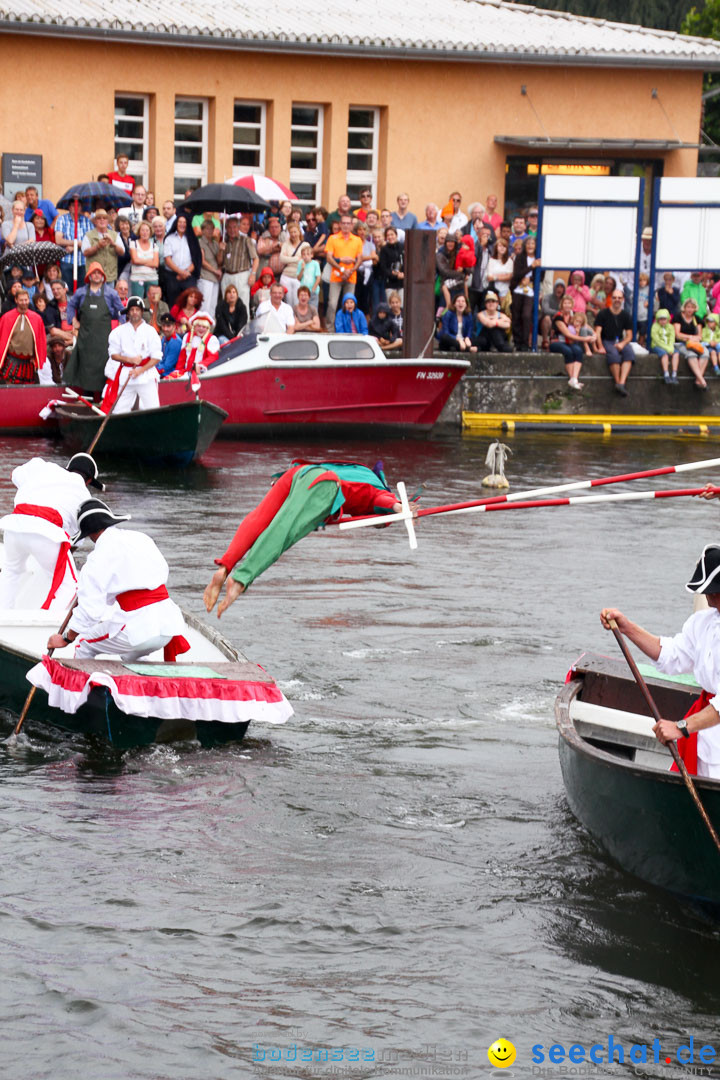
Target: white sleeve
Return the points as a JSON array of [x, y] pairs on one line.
[[92, 606], [86, 243], [154, 344], [677, 653], [114, 342]]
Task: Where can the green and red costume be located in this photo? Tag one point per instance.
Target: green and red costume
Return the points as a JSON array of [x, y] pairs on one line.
[[304, 497]]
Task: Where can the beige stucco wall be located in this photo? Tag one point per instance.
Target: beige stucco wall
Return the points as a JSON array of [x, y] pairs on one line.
[[438, 120]]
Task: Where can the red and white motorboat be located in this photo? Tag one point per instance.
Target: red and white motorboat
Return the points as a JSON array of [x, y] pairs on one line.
[[268, 383]]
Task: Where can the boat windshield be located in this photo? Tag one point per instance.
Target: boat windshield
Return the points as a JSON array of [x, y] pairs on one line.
[[350, 349], [235, 347], [295, 349]]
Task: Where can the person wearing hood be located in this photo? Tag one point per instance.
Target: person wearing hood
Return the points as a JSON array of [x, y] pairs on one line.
[[549, 308], [579, 291], [91, 311], [662, 344], [350, 319], [383, 327], [182, 256]]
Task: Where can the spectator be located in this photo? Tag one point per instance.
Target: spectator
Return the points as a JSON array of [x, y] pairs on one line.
[[396, 312], [231, 315], [350, 320], [695, 290], [711, 339], [260, 291], [188, 303], [23, 344], [102, 245], [122, 290], [403, 218], [452, 213], [134, 212], [456, 327], [290, 260], [391, 266], [343, 252], [309, 273], [584, 331], [532, 221], [49, 315], [270, 245], [597, 298], [17, 230], [689, 344], [182, 258], [662, 344], [155, 308], [522, 289], [499, 273], [168, 212], [383, 327], [643, 306], [120, 178], [613, 334], [64, 228], [491, 216], [144, 261], [365, 195], [549, 305], [11, 293], [125, 234], [519, 230], [568, 342], [210, 272], [646, 250], [493, 326], [432, 217], [386, 223], [238, 258], [53, 369], [669, 295], [91, 310], [33, 203], [43, 232], [158, 231], [478, 284], [316, 232], [200, 347], [476, 211], [344, 206], [171, 343], [275, 313], [578, 291], [63, 323], [609, 284], [366, 269], [306, 316]]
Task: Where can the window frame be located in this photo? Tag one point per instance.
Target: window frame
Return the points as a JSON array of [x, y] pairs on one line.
[[309, 176], [247, 170], [137, 167], [187, 170], [364, 177]]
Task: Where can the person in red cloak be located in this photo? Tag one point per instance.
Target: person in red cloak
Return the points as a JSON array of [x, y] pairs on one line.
[[23, 345]]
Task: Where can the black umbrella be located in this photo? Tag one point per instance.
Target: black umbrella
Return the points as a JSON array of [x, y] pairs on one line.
[[84, 194], [32, 254], [227, 198]]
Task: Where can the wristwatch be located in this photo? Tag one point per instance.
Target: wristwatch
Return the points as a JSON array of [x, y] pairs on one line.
[[682, 725], [66, 639]]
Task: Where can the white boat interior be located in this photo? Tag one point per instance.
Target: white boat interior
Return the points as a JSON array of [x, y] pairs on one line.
[[628, 735]]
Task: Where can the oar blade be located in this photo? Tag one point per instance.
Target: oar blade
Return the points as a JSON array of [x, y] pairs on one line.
[[407, 515]]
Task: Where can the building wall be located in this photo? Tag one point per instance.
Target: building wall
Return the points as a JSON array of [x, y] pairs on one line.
[[438, 120]]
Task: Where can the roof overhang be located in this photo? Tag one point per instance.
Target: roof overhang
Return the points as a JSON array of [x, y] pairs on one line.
[[115, 30], [537, 142]]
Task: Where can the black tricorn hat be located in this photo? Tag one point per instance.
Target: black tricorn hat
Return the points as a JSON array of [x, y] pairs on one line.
[[706, 576], [85, 465], [94, 516]]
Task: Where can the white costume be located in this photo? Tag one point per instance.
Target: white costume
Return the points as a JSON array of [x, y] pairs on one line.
[[696, 649], [123, 560], [42, 485], [128, 341]]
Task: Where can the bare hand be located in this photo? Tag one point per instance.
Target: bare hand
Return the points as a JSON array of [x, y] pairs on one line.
[[212, 591], [709, 492], [666, 731], [233, 589], [56, 641], [613, 613]]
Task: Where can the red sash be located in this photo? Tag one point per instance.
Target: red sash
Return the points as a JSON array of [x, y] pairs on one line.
[[47, 513], [134, 599], [687, 748]]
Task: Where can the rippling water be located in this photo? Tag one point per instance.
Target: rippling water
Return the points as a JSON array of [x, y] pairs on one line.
[[396, 870]]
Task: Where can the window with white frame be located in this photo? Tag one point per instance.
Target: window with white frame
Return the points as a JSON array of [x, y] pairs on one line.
[[191, 145], [131, 132], [362, 154], [306, 140], [248, 137]]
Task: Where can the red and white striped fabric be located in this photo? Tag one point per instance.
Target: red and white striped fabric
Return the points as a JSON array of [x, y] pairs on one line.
[[229, 701], [265, 187]]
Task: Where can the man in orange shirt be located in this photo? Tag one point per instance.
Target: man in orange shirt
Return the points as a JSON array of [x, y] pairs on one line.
[[344, 253]]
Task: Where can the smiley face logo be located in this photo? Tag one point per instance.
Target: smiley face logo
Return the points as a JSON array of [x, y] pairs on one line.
[[501, 1054]]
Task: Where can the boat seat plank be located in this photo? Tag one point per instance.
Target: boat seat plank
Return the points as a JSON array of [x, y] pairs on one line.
[[236, 671]]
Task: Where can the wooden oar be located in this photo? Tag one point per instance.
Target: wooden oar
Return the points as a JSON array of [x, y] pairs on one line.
[[31, 695], [69, 392], [671, 746], [575, 485], [100, 430]]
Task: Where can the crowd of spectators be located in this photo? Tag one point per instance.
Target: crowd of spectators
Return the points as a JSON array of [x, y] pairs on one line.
[[344, 271]]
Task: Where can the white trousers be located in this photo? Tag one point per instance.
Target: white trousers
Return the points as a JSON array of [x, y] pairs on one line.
[[118, 645], [210, 290], [240, 281], [292, 284], [707, 768], [144, 392], [19, 547]]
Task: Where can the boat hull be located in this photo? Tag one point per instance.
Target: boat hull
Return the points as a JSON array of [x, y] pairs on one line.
[[644, 818], [173, 434]]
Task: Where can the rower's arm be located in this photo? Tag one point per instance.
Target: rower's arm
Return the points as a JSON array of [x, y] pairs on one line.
[[645, 641]]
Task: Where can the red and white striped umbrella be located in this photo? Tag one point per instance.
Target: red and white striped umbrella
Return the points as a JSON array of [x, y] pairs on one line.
[[267, 188]]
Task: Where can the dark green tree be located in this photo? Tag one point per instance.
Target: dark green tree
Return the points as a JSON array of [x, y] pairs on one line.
[[706, 23], [658, 14]]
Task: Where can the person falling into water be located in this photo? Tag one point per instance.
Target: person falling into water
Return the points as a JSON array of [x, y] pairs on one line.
[[695, 649], [304, 497]]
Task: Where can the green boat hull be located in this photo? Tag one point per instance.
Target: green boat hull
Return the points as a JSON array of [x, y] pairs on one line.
[[172, 434]]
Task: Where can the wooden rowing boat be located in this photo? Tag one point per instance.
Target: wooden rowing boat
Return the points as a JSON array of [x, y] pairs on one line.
[[618, 782], [173, 434], [211, 695]]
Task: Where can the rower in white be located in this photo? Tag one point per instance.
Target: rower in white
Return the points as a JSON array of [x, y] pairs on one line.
[[137, 347], [40, 527]]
